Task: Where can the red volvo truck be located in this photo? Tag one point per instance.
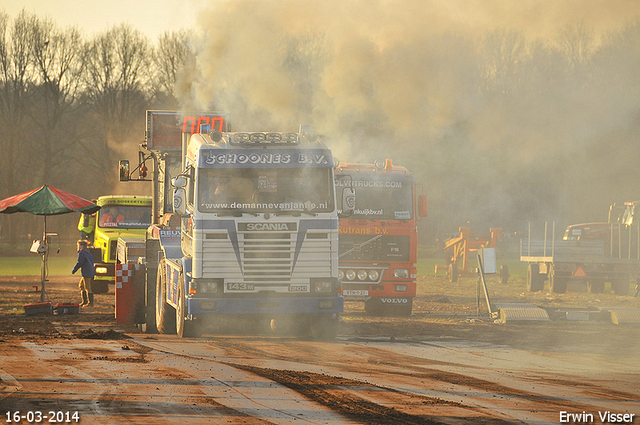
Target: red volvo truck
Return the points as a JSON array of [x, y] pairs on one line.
[[378, 243]]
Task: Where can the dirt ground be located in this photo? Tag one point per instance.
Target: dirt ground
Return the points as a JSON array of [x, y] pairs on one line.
[[441, 310], [16, 292], [444, 313]]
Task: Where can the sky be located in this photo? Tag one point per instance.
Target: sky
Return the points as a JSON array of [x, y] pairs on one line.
[[152, 17]]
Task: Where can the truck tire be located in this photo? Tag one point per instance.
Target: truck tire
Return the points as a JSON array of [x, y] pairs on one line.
[[620, 286], [595, 286], [535, 281], [324, 327], [165, 314], [373, 306], [151, 275], [184, 328], [557, 285], [100, 286], [452, 272]]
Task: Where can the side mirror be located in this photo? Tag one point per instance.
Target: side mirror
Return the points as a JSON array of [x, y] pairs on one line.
[[180, 201], [179, 182], [348, 201], [422, 205], [125, 174]]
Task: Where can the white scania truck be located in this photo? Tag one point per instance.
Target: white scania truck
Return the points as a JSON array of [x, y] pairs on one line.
[[257, 237]]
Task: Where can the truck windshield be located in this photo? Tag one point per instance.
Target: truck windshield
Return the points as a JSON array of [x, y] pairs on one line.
[[379, 196], [124, 216], [276, 190]]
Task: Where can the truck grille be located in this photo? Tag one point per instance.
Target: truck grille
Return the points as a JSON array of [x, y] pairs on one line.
[[374, 248], [267, 259], [267, 256]]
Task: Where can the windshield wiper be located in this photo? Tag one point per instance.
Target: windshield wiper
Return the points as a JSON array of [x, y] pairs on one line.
[[236, 213], [295, 213]]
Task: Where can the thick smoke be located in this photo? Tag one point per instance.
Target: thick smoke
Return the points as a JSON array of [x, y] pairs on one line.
[[506, 112]]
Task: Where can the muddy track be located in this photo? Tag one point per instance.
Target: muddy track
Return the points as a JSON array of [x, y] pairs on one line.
[[336, 393]]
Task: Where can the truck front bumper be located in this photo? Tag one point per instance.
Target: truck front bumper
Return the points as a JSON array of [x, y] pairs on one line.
[[265, 306]]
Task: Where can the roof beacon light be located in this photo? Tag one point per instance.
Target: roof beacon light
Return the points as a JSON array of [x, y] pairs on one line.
[[264, 138], [388, 165], [257, 137]]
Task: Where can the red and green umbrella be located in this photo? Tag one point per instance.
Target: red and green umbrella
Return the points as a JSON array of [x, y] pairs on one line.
[[46, 200]]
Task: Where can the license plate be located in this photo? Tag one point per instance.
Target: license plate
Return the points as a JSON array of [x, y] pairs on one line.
[[299, 288], [240, 287], [355, 292]]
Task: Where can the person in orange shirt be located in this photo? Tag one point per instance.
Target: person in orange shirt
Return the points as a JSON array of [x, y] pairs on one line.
[[111, 215]]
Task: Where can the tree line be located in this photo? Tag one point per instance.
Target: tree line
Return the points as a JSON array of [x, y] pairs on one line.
[[499, 128], [70, 107]]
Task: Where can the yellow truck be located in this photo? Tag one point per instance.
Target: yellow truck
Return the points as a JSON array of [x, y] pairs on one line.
[[121, 216]]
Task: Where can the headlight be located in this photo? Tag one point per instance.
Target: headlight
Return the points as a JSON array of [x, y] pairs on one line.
[[208, 286], [362, 274], [401, 273], [374, 275], [401, 288], [101, 270], [351, 275], [340, 275], [323, 286]]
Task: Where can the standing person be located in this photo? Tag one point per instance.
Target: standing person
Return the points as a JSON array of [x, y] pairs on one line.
[[85, 263], [87, 226]]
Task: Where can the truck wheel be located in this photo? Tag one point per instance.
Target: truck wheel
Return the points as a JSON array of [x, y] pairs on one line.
[[100, 286], [535, 281], [150, 297], [324, 327], [373, 306], [595, 286], [165, 315], [184, 328], [620, 287], [453, 272], [557, 285]]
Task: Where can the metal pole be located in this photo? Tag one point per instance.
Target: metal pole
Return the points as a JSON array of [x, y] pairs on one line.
[[553, 239], [484, 285], [155, 208], [43, 272], [610, 240], [544, 249], [629, 249], [619, 240]]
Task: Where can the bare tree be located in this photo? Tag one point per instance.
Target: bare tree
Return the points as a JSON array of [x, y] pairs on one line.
[[504, 52], [16, 81], [577, 43], [58, 63], [170, 57], [117, 82]]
